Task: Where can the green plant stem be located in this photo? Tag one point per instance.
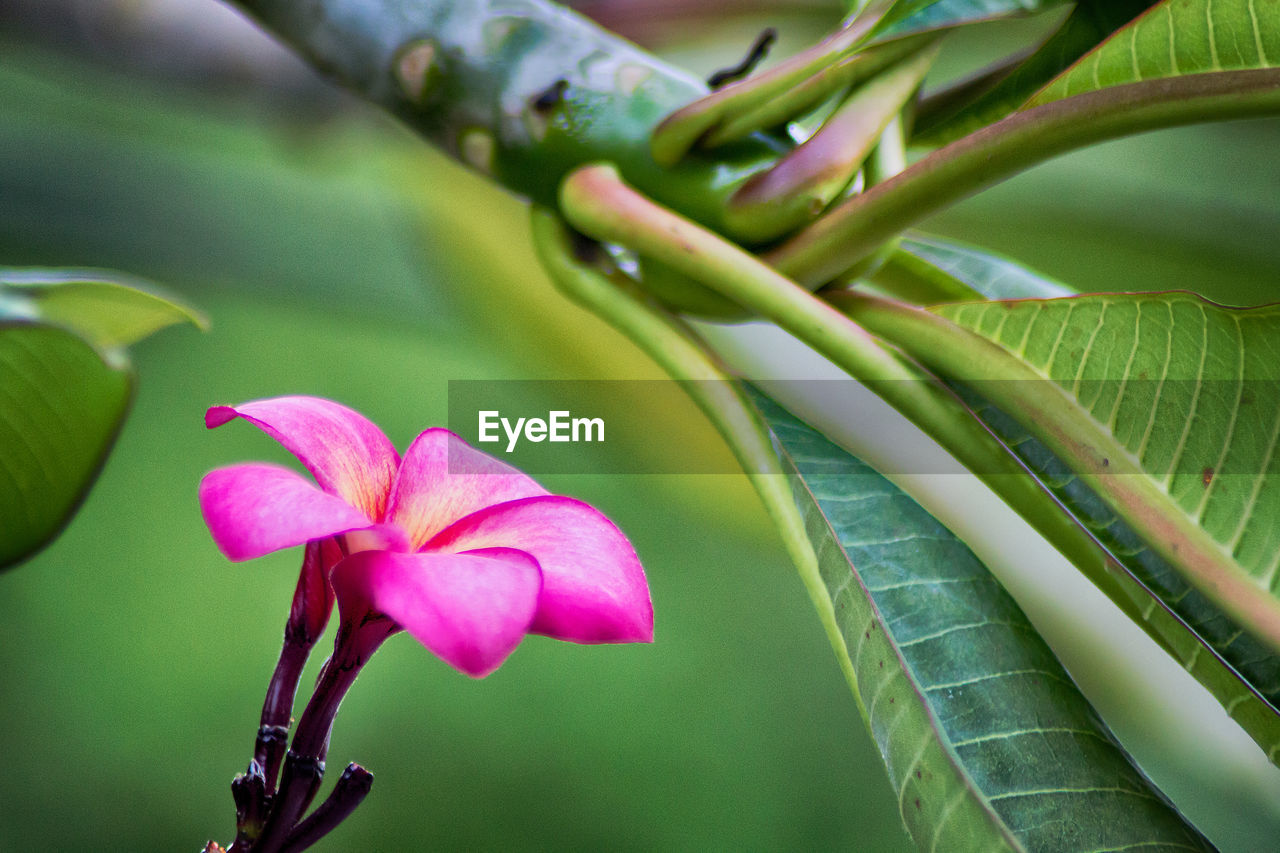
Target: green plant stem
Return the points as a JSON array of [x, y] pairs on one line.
[[1045, 409], [828, 64], [825, 250], [687, 360], [596, 202]]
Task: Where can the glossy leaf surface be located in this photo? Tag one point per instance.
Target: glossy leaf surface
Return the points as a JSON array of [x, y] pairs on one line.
[[63, 407], [107, 309], [987, 741], [1175, 38], [66, 386]]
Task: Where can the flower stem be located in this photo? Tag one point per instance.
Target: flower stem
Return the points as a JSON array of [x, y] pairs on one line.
[[688, 360], [353, 786], [598, 203], [308, 616], [304, 762], [277, 708]]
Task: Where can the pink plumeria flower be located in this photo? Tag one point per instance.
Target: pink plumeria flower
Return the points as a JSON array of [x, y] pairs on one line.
[[462, 551]]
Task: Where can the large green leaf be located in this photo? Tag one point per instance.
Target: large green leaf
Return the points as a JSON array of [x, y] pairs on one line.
[[1089, 23], [1238, 670], [1166, 405], [987, 741], [65, 385], [1175, 38], [63, 405]]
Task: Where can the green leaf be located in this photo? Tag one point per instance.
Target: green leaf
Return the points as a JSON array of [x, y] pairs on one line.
[[1176, 38], [107, 309], [953, 268], [1087, 25], [1166, 405], [66, 385], [63, 405], [987, 741], [1239, 671]]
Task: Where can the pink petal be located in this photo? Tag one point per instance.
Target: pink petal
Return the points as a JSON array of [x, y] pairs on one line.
[[442, 479], [342, 449], [255, 509], [471, 610], [593, 588]]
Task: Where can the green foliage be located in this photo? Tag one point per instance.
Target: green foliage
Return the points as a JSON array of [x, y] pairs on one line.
[[1183, 385], [1164, 404], [1176, 38], [63, 406], [1088, 24], [1239, 671], [106, 309], [66, 385], [987, 741]]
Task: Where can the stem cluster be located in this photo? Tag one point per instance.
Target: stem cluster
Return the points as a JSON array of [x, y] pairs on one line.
[[283, 777]]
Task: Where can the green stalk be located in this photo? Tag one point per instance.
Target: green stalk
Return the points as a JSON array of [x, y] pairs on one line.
[[828, 248], [596, 202], [809, 76], [687, 360], [801, 185]]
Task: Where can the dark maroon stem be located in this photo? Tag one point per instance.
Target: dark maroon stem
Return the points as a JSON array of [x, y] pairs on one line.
[[249, 790], [304, 762], [277, 708], [353, 786]]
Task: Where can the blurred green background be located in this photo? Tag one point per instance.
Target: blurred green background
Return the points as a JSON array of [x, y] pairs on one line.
[[338, 256]]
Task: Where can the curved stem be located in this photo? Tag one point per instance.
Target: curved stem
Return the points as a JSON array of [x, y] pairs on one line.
[[304, 763], [353, 786], [853, 230], [683, 355], [679, 132], [598, 203]]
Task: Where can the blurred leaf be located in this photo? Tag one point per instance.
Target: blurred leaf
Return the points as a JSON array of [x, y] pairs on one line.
[[1089, 23], [987, 741], [912, 16], [1176, 38], [105, 308], [927, 270], [66, 384], [63, 405]]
